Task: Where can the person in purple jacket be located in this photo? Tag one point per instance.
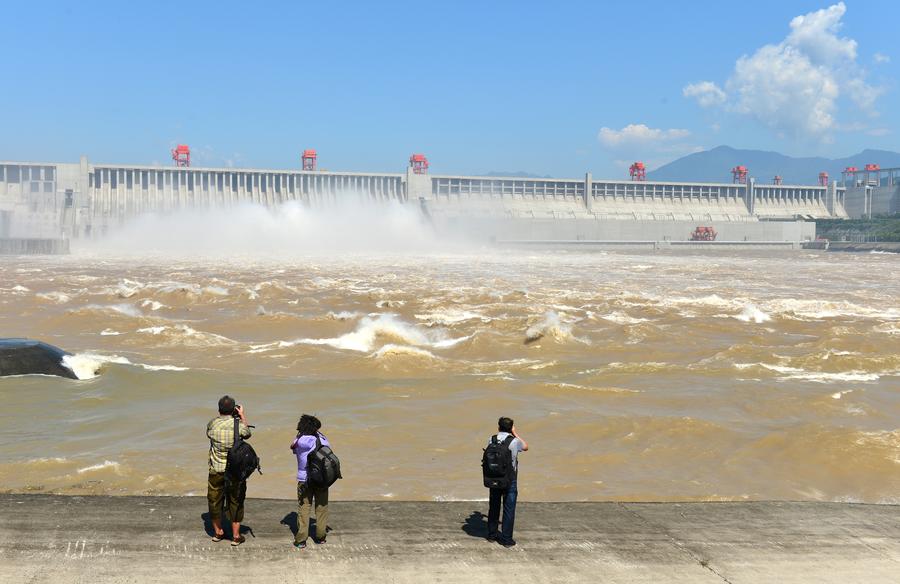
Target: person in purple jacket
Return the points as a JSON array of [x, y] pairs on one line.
[[305, 442]]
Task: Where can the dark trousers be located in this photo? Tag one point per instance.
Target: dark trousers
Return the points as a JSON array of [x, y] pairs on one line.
[[506, 497], [216, 496]]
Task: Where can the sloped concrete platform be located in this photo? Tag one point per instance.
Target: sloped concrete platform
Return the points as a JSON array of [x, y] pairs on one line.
[[46, 538]]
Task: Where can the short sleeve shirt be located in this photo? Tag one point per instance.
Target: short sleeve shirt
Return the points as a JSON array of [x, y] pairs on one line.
[[515, 447], [220, 432]]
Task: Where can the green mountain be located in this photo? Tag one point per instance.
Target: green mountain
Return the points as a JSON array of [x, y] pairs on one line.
[[715, 165]]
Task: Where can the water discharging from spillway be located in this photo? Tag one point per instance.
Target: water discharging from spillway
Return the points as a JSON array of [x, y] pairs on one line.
[[633, 375]]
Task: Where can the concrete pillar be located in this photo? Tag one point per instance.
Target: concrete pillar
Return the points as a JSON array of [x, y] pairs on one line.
[[418, 187], [830, 197], [588, 195], [749, 197]]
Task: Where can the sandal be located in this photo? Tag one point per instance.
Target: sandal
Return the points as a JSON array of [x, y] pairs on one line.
[[236, 542]]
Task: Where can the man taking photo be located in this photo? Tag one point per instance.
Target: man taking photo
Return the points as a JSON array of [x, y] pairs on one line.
[[505, 496], [220, 432]]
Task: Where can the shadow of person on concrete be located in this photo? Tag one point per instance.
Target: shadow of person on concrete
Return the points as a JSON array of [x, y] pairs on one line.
[[226, 525], [207, 524], [291, 521], [476, 524]]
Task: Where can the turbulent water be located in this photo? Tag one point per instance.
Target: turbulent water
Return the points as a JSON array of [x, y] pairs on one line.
[[633, 376]]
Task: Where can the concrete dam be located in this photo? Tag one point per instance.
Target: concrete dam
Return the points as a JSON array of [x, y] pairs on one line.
[[85, 200]]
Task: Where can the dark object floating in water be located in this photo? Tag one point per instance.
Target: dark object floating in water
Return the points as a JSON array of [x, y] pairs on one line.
[[27, 357]]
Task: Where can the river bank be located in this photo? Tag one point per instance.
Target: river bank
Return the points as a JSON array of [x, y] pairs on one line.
[[49, 538]]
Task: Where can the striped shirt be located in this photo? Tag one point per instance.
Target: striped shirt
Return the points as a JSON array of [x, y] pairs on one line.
[[220, 431]]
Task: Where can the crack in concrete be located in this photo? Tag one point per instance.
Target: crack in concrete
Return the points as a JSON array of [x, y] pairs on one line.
[[678, 544]]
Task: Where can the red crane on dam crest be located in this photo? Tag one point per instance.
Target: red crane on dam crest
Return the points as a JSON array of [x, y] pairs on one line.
[[181, 154], [308, 159], [638, 171], [419, 163]]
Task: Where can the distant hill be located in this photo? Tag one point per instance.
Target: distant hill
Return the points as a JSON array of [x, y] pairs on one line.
[[715, 165]]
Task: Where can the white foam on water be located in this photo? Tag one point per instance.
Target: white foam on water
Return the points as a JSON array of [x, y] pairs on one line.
[[153, 305], [751, 313], [551, 326], [88, 365], [57, 297], [386, 326], [103, 465], [820, 376], [822, 309], [162, 367], [840, 394], [153, 330], [393, 350], [450, 317], [216, 291], [109, 333], [128, 288], [123, 309], [564, 385], [342, 315], [622, 318], [390, 303]]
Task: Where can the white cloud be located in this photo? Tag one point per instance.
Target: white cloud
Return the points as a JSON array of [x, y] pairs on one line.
[[881, 58], [795, 87], [654, 146], [706, 93], [815, 35], [781, 88], [639, 134], [878, 132]]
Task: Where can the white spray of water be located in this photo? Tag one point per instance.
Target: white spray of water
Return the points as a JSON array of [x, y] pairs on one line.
[[372, 329], [552, 325], [286, 230], [751, 313], [88, 365]]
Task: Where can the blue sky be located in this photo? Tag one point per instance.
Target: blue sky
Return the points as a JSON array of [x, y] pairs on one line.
[[551, 88]]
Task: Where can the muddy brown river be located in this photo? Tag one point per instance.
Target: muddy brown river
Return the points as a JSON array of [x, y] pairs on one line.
[[633, 375]]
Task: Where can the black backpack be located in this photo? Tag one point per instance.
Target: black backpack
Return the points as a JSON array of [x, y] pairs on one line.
[[322, 466], [497, 463], [242, 459]]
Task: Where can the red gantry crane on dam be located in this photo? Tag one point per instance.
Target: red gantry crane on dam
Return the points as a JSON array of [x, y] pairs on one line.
[[638, 171], [181, 154], [308, 159], [777, 180], [419, 164], [739, 174], [823, 179]]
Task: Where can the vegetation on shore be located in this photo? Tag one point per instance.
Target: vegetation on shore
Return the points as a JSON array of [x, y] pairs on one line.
[[878, 228]]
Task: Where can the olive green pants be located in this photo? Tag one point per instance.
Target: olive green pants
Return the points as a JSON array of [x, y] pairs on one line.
[[305, 496], [215, 492]]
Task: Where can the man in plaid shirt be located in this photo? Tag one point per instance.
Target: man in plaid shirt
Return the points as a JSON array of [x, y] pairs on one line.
[[220, 432]]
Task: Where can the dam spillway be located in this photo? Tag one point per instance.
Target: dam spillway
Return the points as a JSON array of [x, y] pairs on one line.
[[87, 200]]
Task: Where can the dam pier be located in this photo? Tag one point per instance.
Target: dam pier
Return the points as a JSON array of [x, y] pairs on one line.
[[87, 200]]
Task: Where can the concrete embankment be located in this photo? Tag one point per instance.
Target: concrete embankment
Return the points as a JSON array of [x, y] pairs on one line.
[[864, 247], [46, 538]]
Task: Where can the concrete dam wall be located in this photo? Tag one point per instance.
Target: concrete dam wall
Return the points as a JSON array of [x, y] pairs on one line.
[[86, 200]]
